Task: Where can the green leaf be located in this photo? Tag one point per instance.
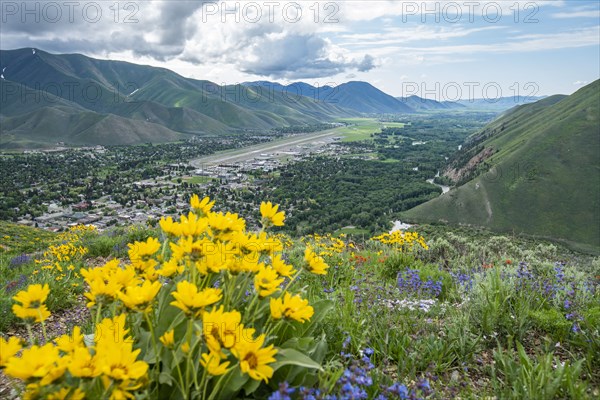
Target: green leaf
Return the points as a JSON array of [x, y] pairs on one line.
[[321, 309], [165, 378], [251, 386], [234, 383], [294, 357]]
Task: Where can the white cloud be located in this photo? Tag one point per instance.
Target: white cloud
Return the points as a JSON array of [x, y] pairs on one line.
[[517, 44], [578, 14], [418, 33], [444, 10]]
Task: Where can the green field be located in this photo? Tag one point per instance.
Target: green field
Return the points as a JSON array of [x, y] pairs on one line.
[[362, 128]]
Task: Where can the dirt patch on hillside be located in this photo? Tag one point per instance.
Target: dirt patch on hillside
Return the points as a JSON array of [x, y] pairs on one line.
[[458, 174]]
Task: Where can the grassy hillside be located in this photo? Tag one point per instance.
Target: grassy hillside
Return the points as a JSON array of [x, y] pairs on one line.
[[49, 125], [425, 314], [148, 98], [535, 170]]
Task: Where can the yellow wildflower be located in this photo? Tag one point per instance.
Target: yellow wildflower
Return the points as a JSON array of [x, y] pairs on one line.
[[119, 361], [32, 307], [254, 358], [316, 264], [170, 268], [191, 301], [168, 338], [35, 362], [82, 364], [201, 207], [225, 226], [213, 365], [8, 348], [281, 267], [114, 355], [293, 307], [111, 330], [34, 296], [102, 289], [140, 298], [69, 343], [140, 253], [169, 226], [221, 329], [266, 281], [271, 215], [185, 347], [192, 225]]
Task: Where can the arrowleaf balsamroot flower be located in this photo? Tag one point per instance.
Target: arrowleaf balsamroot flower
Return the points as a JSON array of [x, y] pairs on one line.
[[143, 249], [67, 393], [281, 267], [213, 365], [32, 305], [221, 329], [69, 343], [8, 348], [103, 288], [168, 338], [81, 364], [271, 216], [111, 329], [266, 281], [201, 207], [35, 362], [218, 275], [119, 361], [225, 226], [140, 298], [170, 268], [191, 301], [192, 225], [316, 264], [254, 358], [114, 355], [169, 226], [293, 307]]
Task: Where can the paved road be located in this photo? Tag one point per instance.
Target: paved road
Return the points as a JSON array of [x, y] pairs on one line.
[[279, 145]]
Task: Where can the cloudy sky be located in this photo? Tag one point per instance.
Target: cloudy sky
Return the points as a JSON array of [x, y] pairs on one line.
[[436, 49]]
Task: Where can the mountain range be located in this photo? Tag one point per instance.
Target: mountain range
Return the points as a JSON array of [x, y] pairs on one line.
[[80, 100], [533, 170], [71, 98]]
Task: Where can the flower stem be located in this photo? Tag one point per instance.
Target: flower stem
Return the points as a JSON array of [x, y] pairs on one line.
[[30, 334], [43, 325], [156, 355], [218, 385], [98, 314]]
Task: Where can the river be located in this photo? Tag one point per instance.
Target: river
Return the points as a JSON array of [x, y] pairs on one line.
[[445, 189]]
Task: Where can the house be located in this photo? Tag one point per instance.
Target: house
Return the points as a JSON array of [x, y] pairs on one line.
[[84, 205]]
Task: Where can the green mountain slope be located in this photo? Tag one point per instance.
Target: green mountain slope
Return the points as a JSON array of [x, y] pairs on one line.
[[534, 170], [49, 125], [34, 81]]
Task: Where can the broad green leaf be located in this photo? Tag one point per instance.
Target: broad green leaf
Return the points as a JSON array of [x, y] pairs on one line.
[[294, 357]]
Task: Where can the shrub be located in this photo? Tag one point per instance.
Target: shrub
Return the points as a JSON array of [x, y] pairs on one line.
[[552, 322]]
